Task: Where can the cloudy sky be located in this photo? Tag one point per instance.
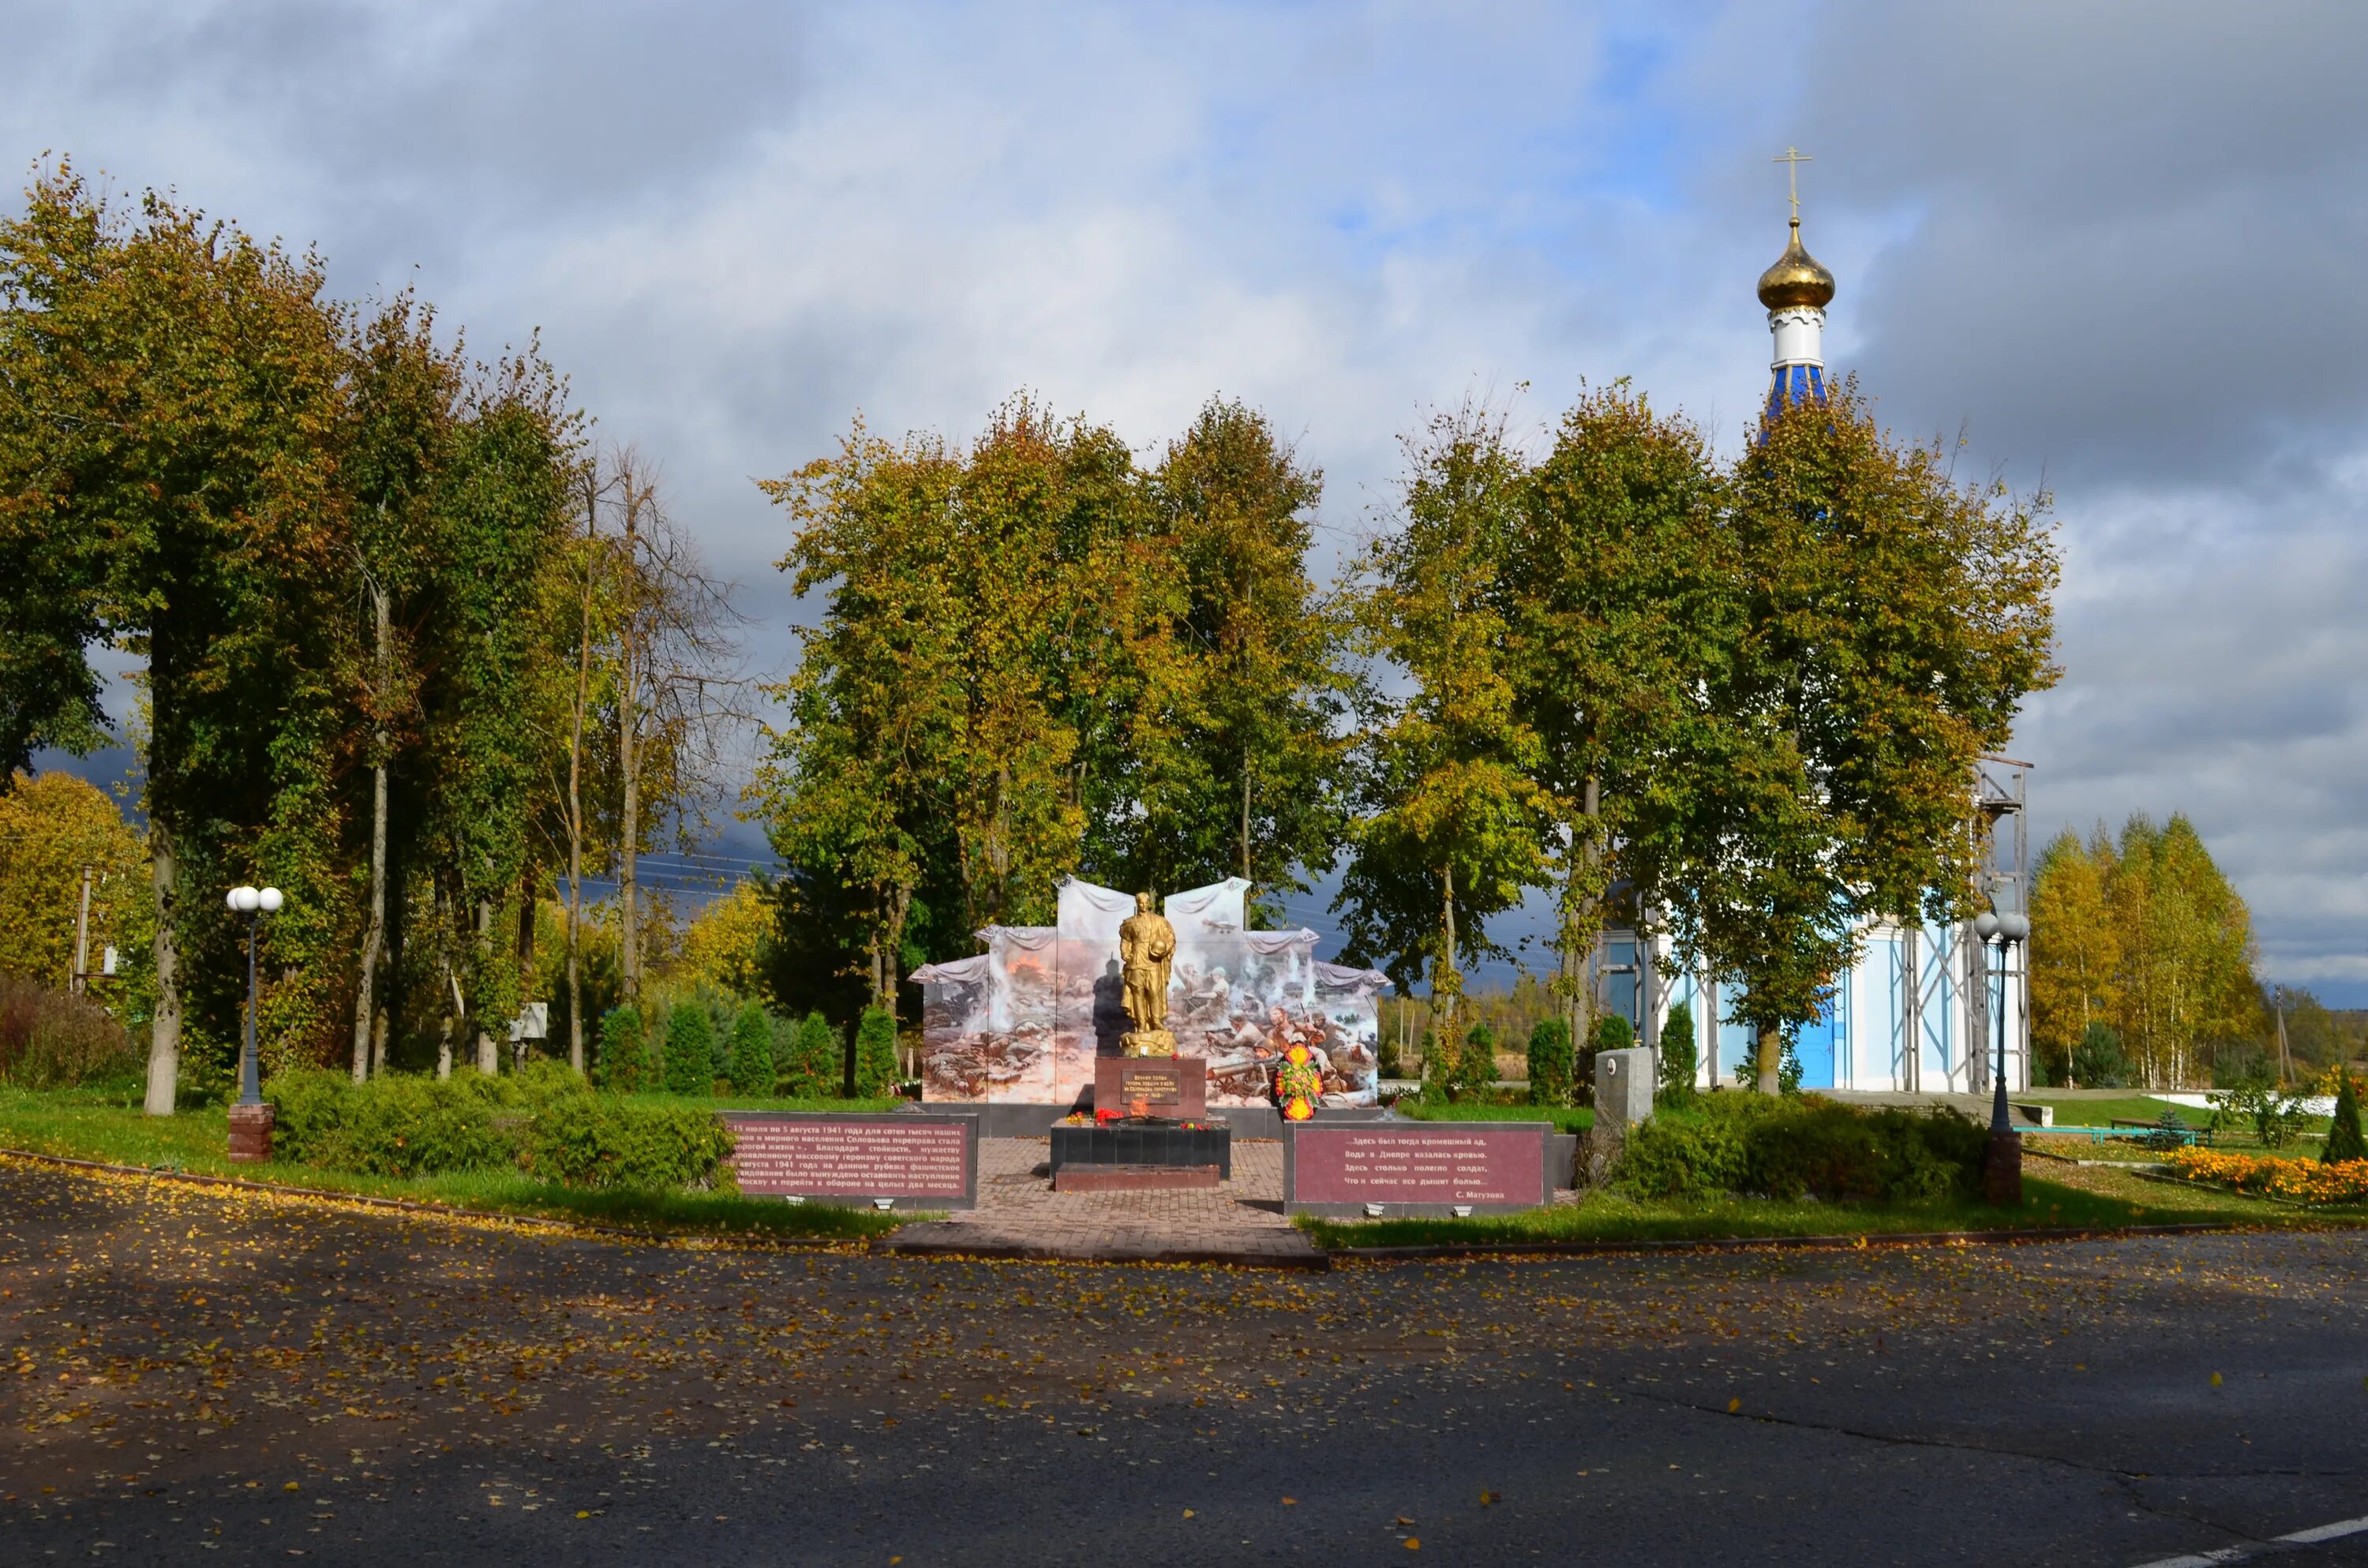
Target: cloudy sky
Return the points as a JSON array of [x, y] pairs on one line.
[[2119, 247]]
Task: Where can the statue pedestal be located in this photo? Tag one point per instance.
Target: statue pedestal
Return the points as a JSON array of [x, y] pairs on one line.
[[1174, 1086]]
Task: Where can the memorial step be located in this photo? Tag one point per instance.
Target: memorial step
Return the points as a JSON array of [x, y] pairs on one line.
[[1134, 1178]]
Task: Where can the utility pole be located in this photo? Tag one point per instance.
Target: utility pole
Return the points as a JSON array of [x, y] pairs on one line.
[[82, 939]]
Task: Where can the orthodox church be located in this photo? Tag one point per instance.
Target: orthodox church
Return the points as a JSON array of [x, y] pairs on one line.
[[1921, 1009]]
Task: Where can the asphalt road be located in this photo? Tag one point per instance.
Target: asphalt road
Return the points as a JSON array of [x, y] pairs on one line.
[[187, 1377]]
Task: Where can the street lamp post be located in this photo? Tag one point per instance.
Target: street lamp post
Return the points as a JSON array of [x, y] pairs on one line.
[[251, 1118], [2002, 1162]]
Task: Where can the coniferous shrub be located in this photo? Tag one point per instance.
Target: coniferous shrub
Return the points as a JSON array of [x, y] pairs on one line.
[[2097, 1061], [1612, 1032], [752, 1050], [623, 1062], [875, 1053], [814, 1068], [1438, 1063], [1475, 1075], [1680, 1057], [1551, 1059], [689, 1050], [2344, 1138]]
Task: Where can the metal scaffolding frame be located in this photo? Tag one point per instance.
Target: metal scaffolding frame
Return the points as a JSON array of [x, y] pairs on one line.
[[2001, 800]]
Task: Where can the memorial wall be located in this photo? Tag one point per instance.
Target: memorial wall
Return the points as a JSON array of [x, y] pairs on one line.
[[1022, 1022]]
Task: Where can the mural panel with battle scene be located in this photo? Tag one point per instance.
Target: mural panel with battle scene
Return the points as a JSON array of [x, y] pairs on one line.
[[1023, 1021]]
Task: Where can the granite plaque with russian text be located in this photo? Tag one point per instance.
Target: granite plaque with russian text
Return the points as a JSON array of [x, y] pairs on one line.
[[918, 1162], [1413, 1168]]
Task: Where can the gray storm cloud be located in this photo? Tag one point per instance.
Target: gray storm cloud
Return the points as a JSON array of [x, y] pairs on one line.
[[2116, 245]]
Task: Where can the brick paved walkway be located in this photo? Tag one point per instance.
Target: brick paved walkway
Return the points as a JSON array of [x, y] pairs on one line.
[[1019, 1215]]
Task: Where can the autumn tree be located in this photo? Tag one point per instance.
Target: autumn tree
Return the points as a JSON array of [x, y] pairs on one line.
[[1618, 606], [55, 828], [2186, 944], [2074, 952], [402, 411], [170, 397], [1237, 765], [1889, 623], [674, 689], [858, 787], [1455, 824]]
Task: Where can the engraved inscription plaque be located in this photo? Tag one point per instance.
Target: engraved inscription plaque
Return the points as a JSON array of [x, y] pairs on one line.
[[926, 1161]]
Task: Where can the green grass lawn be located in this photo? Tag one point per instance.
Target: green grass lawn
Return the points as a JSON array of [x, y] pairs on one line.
[[87, 1124], [1566, 1118], [2086, 1112], [2102, 1112], [2098, 1198]]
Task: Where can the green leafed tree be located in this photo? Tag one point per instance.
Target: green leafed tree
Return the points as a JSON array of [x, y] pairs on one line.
[[1889, 623], [1238, 689], [1618, 606], [1456, 824], [171, 395]]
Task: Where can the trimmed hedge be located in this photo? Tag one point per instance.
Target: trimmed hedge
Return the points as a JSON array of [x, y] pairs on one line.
[[592, 1141], [543, 1121], [1804, 1147]]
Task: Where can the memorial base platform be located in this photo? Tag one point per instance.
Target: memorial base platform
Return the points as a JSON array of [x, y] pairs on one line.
[[1135, 1178], [1141, 1143]]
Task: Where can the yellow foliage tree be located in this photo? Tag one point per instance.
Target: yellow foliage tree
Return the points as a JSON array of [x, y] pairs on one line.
[[2076, 968], [50, 828], [725, 944], [2147, 935]]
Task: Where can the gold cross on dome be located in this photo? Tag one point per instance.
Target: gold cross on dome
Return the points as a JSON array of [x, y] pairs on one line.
[[1793, 157]]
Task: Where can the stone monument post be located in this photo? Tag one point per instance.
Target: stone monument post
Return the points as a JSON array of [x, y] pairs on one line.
[[1623, 1098]]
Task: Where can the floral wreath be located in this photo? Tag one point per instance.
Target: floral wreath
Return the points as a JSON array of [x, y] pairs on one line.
[[1297, 1084]]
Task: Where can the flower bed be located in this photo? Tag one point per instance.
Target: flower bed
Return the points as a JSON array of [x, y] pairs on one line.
[[2296, 1181]]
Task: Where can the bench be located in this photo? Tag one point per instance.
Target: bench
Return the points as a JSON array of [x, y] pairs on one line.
[[2132, 1127]]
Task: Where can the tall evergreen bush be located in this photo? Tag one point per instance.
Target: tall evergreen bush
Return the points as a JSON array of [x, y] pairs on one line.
[[2344, 1139], [2096, 1061], [624, 1064], [813, 1069], [752, 1050], [1550, 1063], [1680, 1057], [1612, 1032], [689, 1050], [875, 1052], [1475, 1075]]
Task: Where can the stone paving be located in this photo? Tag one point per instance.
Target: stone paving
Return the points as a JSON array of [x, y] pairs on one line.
[[1019, 1215]]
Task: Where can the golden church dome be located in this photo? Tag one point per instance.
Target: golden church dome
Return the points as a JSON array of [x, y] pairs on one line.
[[1796, 279]]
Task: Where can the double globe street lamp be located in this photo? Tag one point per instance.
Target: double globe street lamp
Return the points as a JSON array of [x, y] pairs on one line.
[[251, 1118], [2002, 1162]]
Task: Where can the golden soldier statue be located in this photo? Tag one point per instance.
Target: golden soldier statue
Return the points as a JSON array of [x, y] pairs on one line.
[[1146, 952]]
